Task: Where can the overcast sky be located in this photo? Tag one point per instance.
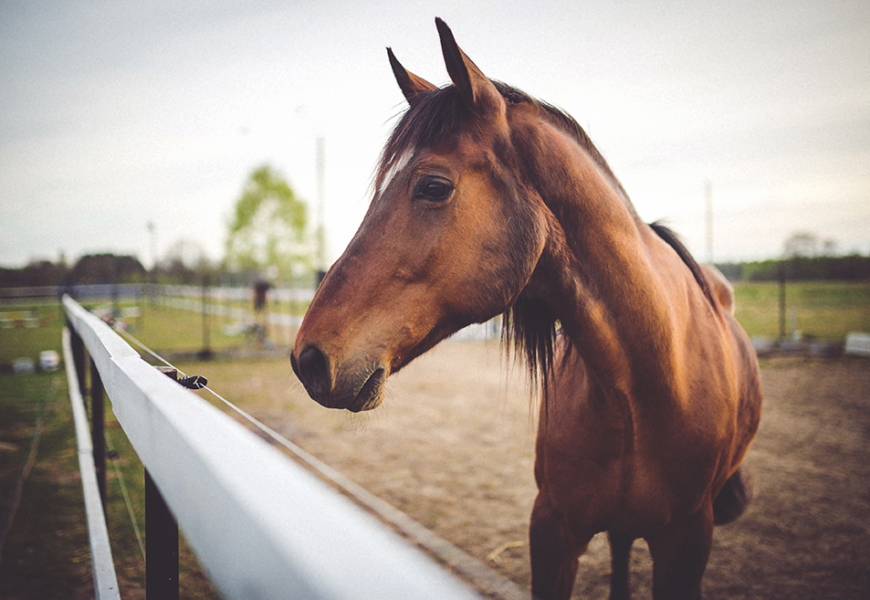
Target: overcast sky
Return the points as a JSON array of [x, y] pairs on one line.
[[115, 114]]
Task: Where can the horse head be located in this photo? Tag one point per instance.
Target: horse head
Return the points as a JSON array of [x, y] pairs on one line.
[[450, 238]]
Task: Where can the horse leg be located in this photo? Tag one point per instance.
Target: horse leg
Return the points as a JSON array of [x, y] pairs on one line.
[[680, 554], [554, 552], [620, 552]]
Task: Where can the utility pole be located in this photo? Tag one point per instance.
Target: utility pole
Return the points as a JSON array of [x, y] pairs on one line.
[[320, 165], [708, 196], [152, 289]]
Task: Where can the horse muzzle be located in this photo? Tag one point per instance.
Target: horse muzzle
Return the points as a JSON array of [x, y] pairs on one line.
[[355, 388]]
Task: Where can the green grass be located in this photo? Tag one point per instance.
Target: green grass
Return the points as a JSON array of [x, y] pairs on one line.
[[47, 552], [161, 328], [166, 329], [22, 341], [822, 309]]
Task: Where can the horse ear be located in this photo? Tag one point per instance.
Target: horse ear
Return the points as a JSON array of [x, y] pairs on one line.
[[412, 86], [474, 85]]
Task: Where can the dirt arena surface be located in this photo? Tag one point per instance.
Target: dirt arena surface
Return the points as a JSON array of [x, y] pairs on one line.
[[453, 447]]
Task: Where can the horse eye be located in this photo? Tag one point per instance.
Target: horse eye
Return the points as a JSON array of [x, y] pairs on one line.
[[433, 189]]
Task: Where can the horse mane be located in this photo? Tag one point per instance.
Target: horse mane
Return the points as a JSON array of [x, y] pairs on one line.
[[437, 114], [674, 242], [568, 125], [529, 326]]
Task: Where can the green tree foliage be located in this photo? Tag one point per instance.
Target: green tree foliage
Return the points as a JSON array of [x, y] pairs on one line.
[[268, 234], [107, 268], [186, 262], [89, 269], [800, 268], [37, 273]]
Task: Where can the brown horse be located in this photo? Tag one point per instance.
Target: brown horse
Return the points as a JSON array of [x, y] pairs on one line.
[[489, 202]]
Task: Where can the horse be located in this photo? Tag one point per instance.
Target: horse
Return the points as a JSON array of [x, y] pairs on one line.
[[489, 202]]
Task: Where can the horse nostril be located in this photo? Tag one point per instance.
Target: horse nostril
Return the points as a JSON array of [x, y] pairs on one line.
[[312, 368]]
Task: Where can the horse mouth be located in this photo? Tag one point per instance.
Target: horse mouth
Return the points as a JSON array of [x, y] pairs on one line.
[[371, 393]]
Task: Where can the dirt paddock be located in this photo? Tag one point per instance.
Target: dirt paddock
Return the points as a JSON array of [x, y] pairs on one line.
[[453, 447]]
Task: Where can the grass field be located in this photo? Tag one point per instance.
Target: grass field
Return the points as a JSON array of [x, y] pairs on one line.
[[822, 309], [46, 554], [163, 329]]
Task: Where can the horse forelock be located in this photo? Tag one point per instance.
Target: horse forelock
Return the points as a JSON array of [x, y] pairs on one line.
[[432, 120]]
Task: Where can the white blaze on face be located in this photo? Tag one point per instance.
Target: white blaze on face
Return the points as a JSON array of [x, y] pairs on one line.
[[399, 164]]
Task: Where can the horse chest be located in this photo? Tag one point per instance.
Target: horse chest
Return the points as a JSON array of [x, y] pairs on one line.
[[602, 468]]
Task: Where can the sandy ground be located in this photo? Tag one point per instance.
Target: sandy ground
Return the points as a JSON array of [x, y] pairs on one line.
[[453, 447]]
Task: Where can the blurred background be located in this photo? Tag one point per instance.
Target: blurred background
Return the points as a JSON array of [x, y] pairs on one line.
[[188, 170]]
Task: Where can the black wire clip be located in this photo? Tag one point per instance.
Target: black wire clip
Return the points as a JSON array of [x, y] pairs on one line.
[[194, 382]]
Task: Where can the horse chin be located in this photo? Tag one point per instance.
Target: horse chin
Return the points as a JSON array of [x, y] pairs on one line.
[[371, 394]]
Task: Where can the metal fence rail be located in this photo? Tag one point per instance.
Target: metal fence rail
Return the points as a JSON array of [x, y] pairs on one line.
[[262, 526]]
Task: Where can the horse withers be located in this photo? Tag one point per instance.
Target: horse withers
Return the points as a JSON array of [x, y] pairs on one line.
[[489, 202]]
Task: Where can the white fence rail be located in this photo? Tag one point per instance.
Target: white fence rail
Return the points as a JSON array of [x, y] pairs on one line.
[[105, 580], [262, 526], [858, 344], [238, 294], [218, 309], [190, 298]]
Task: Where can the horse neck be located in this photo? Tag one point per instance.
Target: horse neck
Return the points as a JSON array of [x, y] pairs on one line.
[[597, 272]]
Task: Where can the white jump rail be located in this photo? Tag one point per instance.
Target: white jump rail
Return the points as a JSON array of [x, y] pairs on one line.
[[262, 526], [105, 580], [857, 344]]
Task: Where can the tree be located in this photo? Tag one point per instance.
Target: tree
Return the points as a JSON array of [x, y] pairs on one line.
[[36, 273], [107, 268], [801, 244], [268, 234], [185, 262]]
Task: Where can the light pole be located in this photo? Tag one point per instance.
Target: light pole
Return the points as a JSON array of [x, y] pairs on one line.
[[152, 233], [708, 194], [321, 209]]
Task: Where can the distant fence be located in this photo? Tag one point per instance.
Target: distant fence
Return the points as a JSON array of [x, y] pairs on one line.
[[233, 302], [262, 526], [54, 293], [220, 301], [137, 290]]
